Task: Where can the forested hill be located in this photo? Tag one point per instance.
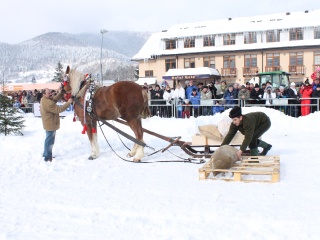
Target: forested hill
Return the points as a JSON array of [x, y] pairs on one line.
[[38, 57]]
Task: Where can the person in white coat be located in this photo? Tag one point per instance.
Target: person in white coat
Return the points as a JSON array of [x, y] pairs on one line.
[[168, 95], [179, 92], [269, 95], [179, 96]]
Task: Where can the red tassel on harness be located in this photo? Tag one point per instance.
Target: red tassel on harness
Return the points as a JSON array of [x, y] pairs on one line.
[[84, 129], [93, 130]]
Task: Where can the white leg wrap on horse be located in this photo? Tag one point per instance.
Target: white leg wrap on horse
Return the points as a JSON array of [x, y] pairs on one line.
[[94, 146], [133, 150], [140, 153]]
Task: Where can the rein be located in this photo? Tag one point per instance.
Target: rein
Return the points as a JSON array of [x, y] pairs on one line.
[[184, 160], [94, 116], [89, 98]]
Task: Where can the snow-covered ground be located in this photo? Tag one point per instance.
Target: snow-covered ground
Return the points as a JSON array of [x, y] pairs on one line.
[[108, 198]]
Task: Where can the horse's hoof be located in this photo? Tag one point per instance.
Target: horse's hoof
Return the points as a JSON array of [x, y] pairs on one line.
[[129, 155], [136, 160], [91, 158]]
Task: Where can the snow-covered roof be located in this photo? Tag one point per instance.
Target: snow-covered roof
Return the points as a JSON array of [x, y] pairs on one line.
[[154, 45], [201, 72], [108, 82], [32, 86], [246, 24], [148, 80]]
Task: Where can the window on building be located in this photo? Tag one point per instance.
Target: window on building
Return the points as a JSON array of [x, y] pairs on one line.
[[149, 73], [250, 37], [316, 58], [273, 62], [229, 61], [317, 33], [209, 62], [229, 39], [209, 41], [171, 44], [273, 36], [296, 34], [170, 64], [189, 63], [189, 42], [250, 60], [296, 63], [296, 58], [250, 65]]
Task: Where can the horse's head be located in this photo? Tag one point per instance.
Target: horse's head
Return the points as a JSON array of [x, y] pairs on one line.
[[72, 81], [66, 81]]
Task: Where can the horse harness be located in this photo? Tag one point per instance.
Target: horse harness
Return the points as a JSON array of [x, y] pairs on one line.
[[89, 98], [89, 95]]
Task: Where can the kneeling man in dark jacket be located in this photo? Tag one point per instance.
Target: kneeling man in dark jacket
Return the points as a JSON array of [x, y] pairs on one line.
[[252, 126]]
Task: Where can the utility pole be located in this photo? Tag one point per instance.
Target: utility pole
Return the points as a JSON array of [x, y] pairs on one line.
[[102, 31]]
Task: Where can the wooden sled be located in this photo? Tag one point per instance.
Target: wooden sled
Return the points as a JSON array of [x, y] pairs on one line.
[[196, 151]]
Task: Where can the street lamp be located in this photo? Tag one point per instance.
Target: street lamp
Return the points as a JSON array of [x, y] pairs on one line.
[[102, 32]]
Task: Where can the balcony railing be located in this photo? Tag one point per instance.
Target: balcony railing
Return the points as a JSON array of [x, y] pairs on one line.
[[297, 70], [315, 67], [273, 68], [250, 71], [228, 72]]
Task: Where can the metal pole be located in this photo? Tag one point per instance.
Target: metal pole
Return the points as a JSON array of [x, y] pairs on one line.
[[102, 31]]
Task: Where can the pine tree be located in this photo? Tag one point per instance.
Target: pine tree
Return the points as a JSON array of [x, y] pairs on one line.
[[59, 73], [136, 74], [11, 120]]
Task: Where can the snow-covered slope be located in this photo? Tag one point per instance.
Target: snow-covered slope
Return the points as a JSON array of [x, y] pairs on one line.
[[74, 198]]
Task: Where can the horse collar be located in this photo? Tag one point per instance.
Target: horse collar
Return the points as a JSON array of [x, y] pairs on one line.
[[89, 96]]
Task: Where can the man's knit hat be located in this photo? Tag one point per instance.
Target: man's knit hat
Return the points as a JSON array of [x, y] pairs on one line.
[[235, 112]]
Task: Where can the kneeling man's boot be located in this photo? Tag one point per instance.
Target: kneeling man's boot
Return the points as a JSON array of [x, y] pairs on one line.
[[254, 152], [266, 147]]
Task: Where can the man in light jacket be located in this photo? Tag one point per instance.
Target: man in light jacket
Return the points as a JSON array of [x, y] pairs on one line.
[[51, 119]]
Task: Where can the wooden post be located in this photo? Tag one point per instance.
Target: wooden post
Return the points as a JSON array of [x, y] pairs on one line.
[[275, 177], [237, 176]]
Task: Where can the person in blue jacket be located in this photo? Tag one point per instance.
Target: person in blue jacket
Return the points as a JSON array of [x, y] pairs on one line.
[[230, 96], [189, 88], [195, 101]]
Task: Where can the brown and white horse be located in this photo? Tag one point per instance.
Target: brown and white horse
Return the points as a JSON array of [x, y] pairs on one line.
[[125, 99]]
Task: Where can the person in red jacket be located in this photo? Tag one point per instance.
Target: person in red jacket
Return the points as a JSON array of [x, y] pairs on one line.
[[305, 92]]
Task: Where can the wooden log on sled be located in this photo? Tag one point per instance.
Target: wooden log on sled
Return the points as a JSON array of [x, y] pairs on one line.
[[197, 151]]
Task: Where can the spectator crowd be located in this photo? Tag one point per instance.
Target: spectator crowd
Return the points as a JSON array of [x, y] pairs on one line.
[[203, 100], [24, 99], [217, 96]]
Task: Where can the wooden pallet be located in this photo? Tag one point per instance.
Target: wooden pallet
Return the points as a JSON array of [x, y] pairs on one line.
[[249, 169]]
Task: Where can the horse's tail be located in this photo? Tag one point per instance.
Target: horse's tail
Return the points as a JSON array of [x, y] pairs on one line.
[[145, 109]]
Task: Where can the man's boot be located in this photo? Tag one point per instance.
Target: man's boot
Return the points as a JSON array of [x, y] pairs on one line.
[[254, 152], [266, 147]]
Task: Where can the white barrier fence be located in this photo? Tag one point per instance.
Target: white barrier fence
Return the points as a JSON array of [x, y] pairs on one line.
[[206, 107], [36, 110]]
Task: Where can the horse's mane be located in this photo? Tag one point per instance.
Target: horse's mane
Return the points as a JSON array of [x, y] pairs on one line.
[[75, 78]]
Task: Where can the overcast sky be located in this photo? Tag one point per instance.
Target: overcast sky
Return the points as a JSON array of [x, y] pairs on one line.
[[25, 19]]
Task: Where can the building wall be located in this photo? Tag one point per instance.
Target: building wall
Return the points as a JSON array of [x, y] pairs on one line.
[[158, 65], [283, 23]]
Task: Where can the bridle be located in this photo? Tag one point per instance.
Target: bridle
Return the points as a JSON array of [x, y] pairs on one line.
[[65, 82]]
